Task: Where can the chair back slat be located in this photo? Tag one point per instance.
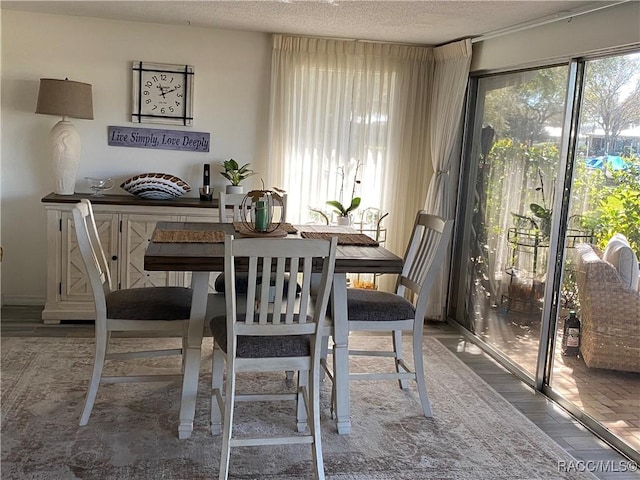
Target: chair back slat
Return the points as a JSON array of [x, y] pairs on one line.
[[99, 257], [264, 289], [93, 256], [277, 288], [251, 289], [291, 289], [425, 253], [270, 261], [305, 292]]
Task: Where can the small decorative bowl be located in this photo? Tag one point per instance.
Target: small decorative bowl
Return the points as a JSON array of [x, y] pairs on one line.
[[156, 186], [99, 185]]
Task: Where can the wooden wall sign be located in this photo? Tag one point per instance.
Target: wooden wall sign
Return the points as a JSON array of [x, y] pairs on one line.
[[159, 139]]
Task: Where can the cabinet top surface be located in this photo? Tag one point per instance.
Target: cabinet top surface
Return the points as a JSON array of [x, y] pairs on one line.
[[129, 200]]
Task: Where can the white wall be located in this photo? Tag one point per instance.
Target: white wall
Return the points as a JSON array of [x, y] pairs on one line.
[[231, 92], [617, 26], [232, 73]]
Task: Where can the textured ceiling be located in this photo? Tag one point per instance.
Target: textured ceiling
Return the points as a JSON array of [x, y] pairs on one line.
[[421, 22]]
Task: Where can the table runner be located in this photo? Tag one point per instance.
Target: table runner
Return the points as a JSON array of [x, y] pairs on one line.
[[243, 231], [358, 239], [188, 236], [287, 227]]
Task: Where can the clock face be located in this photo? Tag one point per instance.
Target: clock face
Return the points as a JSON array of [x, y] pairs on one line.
[[162, 93]]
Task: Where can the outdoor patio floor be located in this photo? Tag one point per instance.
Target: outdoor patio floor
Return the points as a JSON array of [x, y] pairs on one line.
[[608, 396]]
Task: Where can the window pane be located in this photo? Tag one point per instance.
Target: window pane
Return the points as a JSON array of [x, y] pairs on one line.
[[515, 165], [339, 139], [600, 375]]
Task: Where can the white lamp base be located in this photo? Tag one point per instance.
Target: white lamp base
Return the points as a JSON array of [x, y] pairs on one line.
[[65, 147]]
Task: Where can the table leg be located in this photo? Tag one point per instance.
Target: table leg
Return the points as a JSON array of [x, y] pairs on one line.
[[341, 352], [200, 287]]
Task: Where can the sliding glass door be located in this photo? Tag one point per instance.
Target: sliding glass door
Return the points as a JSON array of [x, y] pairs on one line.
[[550, 173], [600, 378], [512, 172]]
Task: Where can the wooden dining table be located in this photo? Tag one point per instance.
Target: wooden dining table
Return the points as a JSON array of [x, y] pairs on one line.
[[204, 256]]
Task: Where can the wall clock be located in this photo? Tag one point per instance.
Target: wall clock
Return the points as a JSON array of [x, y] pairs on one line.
[[162, 93]]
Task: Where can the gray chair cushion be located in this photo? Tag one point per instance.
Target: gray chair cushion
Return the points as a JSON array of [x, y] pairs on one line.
[[374, 305], [261, 346], [242, 279], [154, 303]]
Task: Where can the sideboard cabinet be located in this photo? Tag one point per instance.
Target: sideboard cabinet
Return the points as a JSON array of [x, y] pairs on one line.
[[125, 224]]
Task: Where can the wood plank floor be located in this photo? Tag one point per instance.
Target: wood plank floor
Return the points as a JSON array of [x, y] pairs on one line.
[[591, 452]]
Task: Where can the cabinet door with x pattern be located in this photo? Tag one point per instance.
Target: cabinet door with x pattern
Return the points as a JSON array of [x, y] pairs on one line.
[[136, 235]]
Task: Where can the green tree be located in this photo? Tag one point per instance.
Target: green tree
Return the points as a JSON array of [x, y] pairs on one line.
[[612, 95], [620, 209], [522, 111]]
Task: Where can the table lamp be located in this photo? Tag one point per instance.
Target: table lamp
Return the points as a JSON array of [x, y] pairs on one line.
[[65, 98]]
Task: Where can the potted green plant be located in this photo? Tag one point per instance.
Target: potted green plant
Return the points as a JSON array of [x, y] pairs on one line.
[[342, 212], [541, 219], [340, 209], [235, 174]]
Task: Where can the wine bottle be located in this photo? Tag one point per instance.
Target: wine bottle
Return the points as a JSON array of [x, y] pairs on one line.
[[571, 335]]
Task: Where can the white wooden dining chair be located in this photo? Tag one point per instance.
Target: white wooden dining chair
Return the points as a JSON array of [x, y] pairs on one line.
[[275, 336], [229, 207], [379, 311], [161, 310]]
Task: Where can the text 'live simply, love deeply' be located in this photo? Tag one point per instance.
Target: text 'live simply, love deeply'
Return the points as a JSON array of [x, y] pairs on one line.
[[159, 139]]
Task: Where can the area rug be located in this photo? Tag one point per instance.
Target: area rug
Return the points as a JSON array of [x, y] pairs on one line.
[[132, 433]]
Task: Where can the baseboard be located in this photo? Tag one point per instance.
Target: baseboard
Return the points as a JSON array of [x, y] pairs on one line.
[[21, 300]]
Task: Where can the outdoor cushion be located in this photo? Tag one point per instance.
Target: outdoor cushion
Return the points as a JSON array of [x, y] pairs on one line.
[[615, 240], [261, 346], [157, 303], [623, 258], [375, 305]]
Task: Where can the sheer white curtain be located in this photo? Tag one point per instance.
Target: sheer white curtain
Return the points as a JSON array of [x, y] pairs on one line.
[[447, 98], [339, 104]]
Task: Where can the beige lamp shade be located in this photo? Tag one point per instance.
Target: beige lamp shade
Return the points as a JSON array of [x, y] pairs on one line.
[[65, 98]]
